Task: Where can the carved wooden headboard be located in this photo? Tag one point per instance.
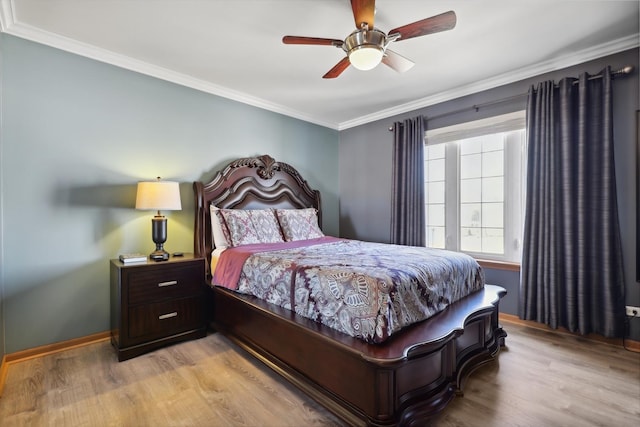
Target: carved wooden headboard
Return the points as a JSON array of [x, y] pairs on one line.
[[249, 183]]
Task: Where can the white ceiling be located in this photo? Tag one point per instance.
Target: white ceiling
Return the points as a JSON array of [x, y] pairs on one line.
[[233, 48]]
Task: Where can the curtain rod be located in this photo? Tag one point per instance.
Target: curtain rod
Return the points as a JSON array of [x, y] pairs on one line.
[[621, 72], [618, 73]]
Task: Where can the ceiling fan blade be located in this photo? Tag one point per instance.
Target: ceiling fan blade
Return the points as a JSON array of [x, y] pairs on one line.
[[363, 12], [396, 61], [338, 69], [443, 22], [312, 41]]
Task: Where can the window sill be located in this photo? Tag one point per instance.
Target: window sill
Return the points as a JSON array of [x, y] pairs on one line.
[[499, 265]]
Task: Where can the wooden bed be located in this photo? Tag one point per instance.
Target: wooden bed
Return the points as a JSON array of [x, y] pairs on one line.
[[404, 381]]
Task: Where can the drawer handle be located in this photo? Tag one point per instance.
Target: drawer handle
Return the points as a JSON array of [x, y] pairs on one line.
[[168, 315], [170, 283]]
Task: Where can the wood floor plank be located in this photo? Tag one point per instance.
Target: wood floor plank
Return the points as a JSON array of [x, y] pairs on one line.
[[541, 378], [549, 379]]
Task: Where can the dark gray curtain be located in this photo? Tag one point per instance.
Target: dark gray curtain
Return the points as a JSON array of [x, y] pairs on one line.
[[407, 206], [572, 274]]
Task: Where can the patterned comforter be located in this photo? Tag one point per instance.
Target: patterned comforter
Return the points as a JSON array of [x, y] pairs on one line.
[[363, 289]]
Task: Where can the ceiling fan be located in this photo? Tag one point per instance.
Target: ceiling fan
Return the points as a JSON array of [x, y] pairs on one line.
[[366, 47]]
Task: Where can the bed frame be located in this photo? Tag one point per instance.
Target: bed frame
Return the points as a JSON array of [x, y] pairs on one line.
[[405, 381]]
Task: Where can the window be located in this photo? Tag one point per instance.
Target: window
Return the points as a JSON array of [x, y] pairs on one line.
[[473, 187]]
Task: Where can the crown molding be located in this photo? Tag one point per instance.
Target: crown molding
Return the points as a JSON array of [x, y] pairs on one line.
[[7, 17], [575, 58], [9, 25]]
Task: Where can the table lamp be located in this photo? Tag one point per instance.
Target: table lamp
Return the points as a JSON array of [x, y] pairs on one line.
[[159, 196]]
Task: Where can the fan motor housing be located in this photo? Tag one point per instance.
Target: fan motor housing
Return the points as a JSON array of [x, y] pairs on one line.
[[365, 39]]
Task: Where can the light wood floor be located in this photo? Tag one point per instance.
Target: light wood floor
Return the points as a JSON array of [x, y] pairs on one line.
[[541, 379]]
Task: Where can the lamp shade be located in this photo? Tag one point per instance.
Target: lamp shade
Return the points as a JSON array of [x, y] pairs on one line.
[[158, 195]]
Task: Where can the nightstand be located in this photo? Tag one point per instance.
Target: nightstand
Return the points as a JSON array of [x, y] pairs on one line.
[[156, 303]]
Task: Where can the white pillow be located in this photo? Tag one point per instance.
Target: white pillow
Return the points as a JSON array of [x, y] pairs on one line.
[[219, 239]]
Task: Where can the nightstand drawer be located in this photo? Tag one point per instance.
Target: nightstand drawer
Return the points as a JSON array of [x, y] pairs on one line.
[[164, 283], [161, 319]]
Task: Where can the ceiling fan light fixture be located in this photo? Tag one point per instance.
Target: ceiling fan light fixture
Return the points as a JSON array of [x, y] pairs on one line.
[[365, 57], [365, 48]]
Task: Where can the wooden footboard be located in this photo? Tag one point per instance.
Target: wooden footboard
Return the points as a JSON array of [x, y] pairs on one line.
[[405, 381]]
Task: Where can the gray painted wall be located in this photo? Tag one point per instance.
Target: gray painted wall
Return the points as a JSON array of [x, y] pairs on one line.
[[366, 152], [77, 135]]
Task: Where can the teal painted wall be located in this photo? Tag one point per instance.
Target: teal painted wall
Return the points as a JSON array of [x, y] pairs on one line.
[[77, 135]]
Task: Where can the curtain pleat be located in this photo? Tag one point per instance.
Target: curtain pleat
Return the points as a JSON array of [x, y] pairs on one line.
[[572, 274], [407, 206]]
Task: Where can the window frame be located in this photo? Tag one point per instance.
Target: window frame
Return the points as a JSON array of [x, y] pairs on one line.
[[514, 156]]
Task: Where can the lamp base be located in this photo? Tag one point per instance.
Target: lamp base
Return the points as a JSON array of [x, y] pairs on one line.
[[159, 234], [159, 255]]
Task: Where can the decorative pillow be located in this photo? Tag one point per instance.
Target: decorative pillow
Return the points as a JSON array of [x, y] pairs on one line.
[[219, 238], [266, 225], [299, 224], [239, 227]]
